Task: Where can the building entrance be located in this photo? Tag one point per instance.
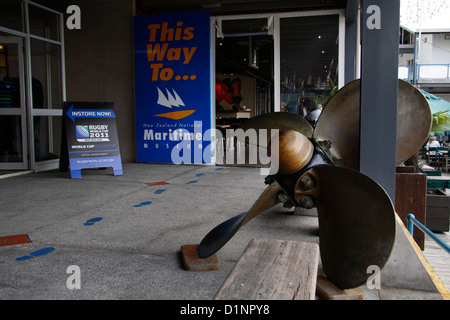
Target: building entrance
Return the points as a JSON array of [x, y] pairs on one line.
[[32, 87], [280, 62]]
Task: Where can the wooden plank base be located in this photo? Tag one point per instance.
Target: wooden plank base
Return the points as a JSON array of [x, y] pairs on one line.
[[273, 270], [328, 291], [192, 262]]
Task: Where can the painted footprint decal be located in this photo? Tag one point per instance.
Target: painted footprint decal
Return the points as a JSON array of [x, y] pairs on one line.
[[90, 222], [145, 203], [195, 181], [36, 253]]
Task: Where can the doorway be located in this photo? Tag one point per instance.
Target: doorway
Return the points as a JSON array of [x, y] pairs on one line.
[[244, 66], [32, 88], [13, 125], [309, 63], [275, 62], [280, 62]]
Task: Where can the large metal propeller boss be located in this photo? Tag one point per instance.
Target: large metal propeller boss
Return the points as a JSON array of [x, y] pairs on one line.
[[319, 168]]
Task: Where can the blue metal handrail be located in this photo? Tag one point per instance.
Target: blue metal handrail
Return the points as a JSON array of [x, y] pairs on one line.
[[413, 221]]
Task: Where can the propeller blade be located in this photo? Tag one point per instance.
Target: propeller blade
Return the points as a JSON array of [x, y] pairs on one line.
[[221, 234], [414, 121], [356, 223], [337, 130], [282, 121]]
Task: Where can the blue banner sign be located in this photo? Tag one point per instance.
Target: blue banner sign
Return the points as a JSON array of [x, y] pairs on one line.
[[92, 140], [173, 88]]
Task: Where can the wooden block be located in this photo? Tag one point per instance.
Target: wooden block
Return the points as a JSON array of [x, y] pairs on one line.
[[410, 197], [273, 270], [192, 262], [328, 291], [405, 169]]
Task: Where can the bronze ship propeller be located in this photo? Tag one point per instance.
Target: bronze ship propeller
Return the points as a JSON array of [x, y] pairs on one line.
[[319, 168]]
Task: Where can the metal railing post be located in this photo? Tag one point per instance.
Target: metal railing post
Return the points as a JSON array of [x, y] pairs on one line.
[[413, 221], [410, 224]]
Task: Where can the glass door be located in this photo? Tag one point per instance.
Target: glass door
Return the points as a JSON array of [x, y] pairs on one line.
[[46, 103], [295, 60], [13, 124], [32, 86], [244, 66], [46, 85], [310, 67]]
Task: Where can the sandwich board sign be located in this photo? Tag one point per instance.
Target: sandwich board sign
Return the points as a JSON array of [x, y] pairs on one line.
[[91, 135]]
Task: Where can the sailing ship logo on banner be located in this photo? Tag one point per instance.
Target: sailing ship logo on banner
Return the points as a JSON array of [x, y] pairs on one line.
[[172, 100]]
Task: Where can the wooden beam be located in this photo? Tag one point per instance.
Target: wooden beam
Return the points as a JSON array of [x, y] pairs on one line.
[[273, 270]]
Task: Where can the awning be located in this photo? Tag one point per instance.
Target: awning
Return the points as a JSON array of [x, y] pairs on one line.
[[437, 104]]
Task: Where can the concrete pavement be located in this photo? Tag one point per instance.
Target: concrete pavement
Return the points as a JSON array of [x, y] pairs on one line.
[[124, 235]]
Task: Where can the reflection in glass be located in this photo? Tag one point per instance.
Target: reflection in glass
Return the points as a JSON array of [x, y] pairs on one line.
[[45, 79], [309, 60], [10, 139], [12, 15], [43, 23], [11, 62], [244, 67], [46, 75], [47, 137], [230, 27]]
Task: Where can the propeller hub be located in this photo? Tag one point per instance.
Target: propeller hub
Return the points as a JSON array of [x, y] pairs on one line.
[[294, 151]]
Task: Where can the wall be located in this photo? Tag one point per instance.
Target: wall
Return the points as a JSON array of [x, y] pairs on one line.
[[441, 49], [426, 49], [99, 63], [436, 50]]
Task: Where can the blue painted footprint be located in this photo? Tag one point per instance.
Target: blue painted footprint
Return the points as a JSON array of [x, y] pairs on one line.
[[191, 182], [159, 191], [199, 174], [146, 203], [90, 222], [36, 253]]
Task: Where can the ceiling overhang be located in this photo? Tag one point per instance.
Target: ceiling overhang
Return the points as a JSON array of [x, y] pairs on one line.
[[226, 7]]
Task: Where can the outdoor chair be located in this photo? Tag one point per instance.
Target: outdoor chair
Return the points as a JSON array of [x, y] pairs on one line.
[[437, 157]]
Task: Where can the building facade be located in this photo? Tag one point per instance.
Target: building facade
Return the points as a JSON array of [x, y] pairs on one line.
[[265, 56], [425, 59]]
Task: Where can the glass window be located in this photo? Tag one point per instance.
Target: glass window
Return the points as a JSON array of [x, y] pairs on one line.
[[12, 15], [43, 23], [308, 62], [10, 139], [46, 75], [11, 66], [230, 27], [244, 67], [42, 30], [47, 137]]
